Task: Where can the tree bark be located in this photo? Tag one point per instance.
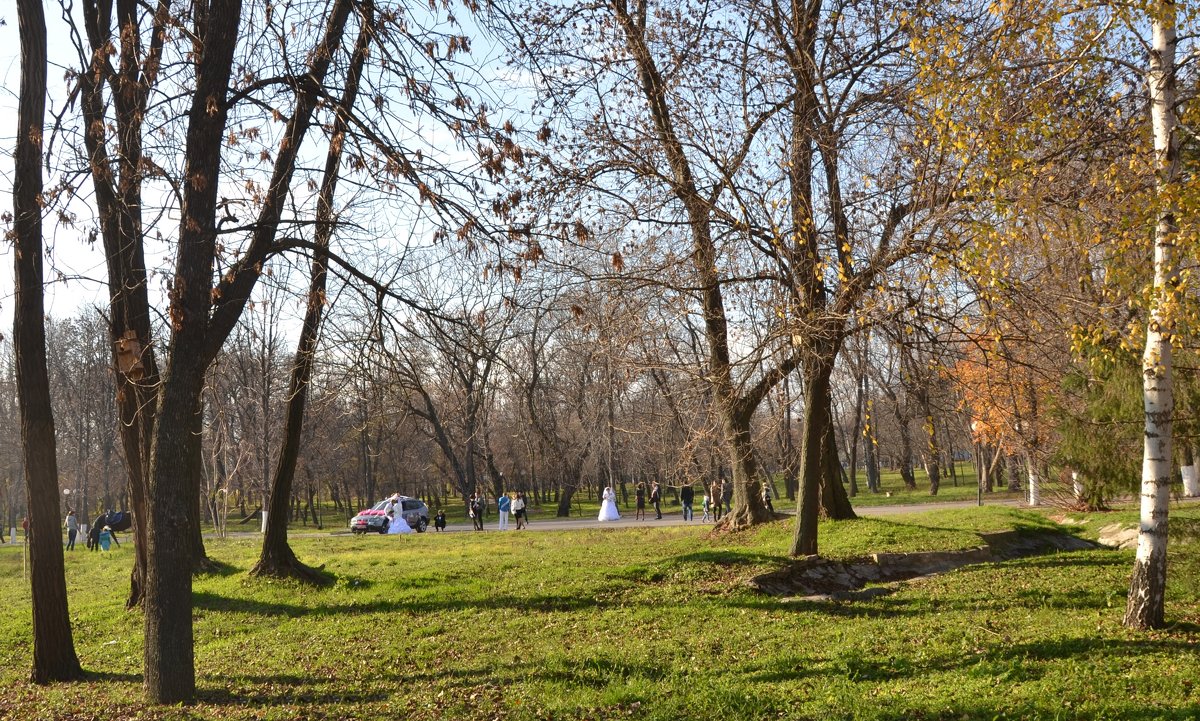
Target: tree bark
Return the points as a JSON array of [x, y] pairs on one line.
[[813, 459], [54, 657], [934, 451], [734, 411], [118, 202], [835, 504], [277, 557], [1147, 587], [169, 661]]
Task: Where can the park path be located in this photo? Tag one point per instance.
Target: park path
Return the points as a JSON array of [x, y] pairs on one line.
[[675, 518]]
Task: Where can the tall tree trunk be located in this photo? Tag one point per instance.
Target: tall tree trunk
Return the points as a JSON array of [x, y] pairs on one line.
[[813, 459], [934, 452], [906, 456], [1147, 587], [870, 441], [118, 202], [169, 661], [277, 558], [54, 656], [835, 504], [564, 501], [856, 430], [734, 411]]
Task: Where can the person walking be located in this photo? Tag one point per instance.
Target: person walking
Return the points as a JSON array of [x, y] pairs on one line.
[[503, 503], [72, 529], [518, 509], [707, 504], [715, 491], [475, 511], [639, 494], [687, 496], [767, 494], [656, 501], [727, 495]]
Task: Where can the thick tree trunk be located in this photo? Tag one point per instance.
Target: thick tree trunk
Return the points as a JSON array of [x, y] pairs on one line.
[[169, 667], [1147, 587], [748, 508], [813, 458], [564, 501], [54, 657], [835, 504]]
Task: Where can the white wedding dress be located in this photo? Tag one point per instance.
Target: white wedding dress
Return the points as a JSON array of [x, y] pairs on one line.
[[399, 525], [608, 508]]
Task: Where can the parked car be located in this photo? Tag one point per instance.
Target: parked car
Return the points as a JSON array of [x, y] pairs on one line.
[[375, 519]]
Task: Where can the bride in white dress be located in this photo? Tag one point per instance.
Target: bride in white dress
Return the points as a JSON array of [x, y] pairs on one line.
[[398, 524], [608, 508]]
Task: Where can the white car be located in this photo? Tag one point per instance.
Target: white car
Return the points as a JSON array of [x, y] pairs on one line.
[[375, 518]]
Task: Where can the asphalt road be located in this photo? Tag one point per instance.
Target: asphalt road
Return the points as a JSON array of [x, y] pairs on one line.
[[674, 518]]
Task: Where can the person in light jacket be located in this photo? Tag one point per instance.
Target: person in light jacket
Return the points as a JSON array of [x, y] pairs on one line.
[[503, 504]]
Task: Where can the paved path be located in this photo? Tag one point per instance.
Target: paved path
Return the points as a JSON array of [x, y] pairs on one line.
[[674, 518]]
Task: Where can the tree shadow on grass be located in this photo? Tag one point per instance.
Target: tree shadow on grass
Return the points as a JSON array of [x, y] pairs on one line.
[[112, 677], [212, 567], [525, 604], [268, 690], [1015, 662], [1032, 712], [726, 557], [1103, 559]]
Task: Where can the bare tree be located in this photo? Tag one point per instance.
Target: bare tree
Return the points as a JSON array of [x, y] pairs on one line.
[[54, 656]]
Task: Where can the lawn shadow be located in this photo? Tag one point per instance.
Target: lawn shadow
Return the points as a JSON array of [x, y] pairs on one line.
[[268, 690], [548, 603], [1030, 711], [112, 677], [212, 567]]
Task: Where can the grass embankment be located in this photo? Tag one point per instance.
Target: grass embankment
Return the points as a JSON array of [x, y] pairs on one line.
[[650, 623]]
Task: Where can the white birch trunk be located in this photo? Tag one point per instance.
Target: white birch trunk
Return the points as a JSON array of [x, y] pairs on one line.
[[1035, 491], [1077, 485], [1147, 587], [1191, 482]]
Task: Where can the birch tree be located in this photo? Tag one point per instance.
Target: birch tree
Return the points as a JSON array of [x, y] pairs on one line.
[[1147, 588]]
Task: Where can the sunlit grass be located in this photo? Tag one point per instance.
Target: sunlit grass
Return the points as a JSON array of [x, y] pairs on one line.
[[653, 623]]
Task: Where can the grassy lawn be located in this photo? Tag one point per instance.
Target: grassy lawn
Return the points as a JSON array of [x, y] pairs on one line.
[[643, 623]]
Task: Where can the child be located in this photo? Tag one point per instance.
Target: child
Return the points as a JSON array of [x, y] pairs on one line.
[[105, 538], [439, 521], [706, 504]]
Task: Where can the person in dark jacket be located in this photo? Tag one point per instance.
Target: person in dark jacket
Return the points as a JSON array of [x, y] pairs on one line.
[[687, 496], [656, 500]]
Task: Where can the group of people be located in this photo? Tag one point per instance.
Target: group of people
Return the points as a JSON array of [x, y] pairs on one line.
[[101, 536], [505, 505], [718, 500]]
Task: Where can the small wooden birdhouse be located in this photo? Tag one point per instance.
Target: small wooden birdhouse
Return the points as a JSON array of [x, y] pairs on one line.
[[129, 356]]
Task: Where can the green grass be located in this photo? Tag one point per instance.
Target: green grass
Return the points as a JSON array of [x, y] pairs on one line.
[[641, 623]]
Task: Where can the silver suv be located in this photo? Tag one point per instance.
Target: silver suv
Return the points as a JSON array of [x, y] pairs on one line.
[[374, 519]]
